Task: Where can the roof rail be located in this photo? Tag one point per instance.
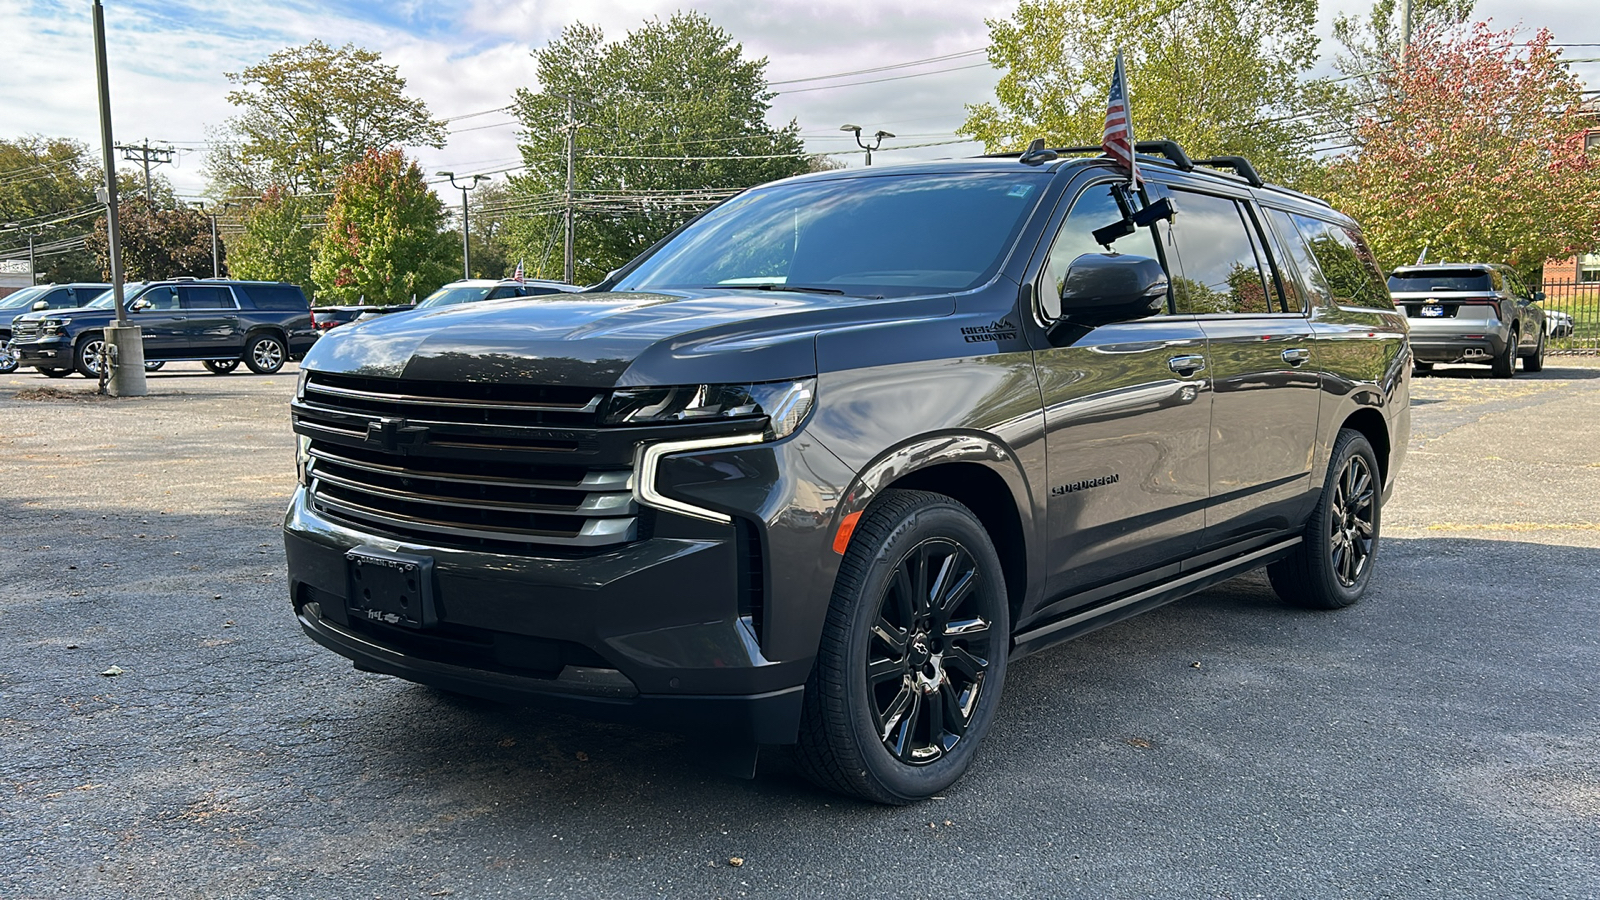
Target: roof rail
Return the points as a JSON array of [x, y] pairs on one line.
[[1238, 164], [1168, 149]]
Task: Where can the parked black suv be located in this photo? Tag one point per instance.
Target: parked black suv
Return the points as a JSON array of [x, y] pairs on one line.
[[815, 467], [37, 298], [215, 321]]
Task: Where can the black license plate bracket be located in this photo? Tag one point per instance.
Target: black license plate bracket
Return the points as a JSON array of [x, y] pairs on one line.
[[393, 588]]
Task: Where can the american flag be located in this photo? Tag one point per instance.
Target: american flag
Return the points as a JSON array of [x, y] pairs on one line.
[[1118, 141], [518, 274]]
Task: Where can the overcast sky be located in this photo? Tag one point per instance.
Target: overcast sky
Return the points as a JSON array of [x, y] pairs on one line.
[[167, 59]]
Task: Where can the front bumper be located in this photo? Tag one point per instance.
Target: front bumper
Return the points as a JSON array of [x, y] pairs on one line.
[[678, 631], [47, 352]]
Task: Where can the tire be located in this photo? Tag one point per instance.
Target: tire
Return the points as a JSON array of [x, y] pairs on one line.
[[8, 362], [85, 357], [153, 366], [1534, 362], [1421, 368], [55, 373], [221, 366], [1318, 575], [265, 354], [1505, 365], [903, 692]]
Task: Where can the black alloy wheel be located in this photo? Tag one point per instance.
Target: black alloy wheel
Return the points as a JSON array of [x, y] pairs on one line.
[[1534, 362], [221, 366], [8, 359], [265, 355], [1333, 564], [153, 366], [913, 655], [1505, 364], [87, 358]]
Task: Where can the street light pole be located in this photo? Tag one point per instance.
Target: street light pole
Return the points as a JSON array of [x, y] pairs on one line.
[[127, 365], [466, 219], [877, 139], [216, 268]]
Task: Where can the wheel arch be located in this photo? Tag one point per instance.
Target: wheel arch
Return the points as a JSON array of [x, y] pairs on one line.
[[976, 470], [1375, 428]]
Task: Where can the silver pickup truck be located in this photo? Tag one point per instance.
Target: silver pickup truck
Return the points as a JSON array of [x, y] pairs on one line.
[[1471, 313]]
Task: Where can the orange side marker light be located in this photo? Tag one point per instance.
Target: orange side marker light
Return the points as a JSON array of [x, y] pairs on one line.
[[846, 528]]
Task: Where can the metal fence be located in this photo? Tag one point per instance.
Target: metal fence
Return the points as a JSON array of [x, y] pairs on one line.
[[1580, 301]]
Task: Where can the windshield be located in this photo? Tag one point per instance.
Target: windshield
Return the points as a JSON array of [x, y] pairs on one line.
[[107, 300], [1464, 280], [457, 293], [896, 235], [23, 297]]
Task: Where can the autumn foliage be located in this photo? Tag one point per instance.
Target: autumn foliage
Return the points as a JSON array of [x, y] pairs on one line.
[[1478, 154], [382, 242]]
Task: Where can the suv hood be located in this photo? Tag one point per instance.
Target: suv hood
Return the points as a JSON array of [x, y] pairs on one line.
[[75, 312], [609, 339]]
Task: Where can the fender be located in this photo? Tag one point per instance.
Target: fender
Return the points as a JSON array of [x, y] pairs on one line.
[[922, 453]]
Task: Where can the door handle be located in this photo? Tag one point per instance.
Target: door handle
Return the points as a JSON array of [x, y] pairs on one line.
[[1187, 365], [180, 318], [1294, 356]]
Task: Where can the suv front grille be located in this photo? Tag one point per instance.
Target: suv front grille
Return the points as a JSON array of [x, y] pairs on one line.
[[24, 329], [506, 468]]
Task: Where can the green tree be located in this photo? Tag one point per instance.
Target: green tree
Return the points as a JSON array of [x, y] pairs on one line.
[[1216, 76], [382, 241], [276, 243], [1477, 154], [155, 242], [307, 113], [47, 191], [680, 99]]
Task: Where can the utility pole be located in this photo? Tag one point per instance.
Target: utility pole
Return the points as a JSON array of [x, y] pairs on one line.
[[147, 155], [572, 165], [33, 275], [216, 268], [127, 359], [466, 219]]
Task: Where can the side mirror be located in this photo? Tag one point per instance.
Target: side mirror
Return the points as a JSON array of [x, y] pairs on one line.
[[1538, 296], [1103, 288], [40, 305]]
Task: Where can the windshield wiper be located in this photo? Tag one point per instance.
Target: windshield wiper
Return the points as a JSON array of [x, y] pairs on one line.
[[773, 286]]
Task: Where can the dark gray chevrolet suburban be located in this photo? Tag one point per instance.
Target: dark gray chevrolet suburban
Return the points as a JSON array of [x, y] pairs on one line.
[[817, 465]]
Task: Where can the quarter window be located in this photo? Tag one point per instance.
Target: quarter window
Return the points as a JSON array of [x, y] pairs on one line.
[[1221, 268], [1095, 208], [1347, 264]]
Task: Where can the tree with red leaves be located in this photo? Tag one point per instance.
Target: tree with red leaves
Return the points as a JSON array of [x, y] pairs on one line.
[[1476, 154], [382, 241]]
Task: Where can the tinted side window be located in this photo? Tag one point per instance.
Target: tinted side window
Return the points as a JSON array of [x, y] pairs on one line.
[[1310, 273], [207, 296], [501, 293], [1347, 264], [539, 291], [1221, 272], [60, 298], [1290, 291], [162, 297], [273, 296], [1094, 208]]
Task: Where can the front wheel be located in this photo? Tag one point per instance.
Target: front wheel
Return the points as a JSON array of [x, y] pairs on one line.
[[1331, 567], [913, 654], [87, 359], [221, 366], [8, 360], [1534, 362], [153, 366], [265, 355]]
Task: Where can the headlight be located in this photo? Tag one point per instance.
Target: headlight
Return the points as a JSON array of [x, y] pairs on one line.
[[784, 403], [300, 386], [54, 326]]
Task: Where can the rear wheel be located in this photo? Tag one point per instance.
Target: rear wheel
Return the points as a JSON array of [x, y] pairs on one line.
[[1505, 364], [265, 354], [1331, 567], [913, 654], [221, 366], [1534, 362]]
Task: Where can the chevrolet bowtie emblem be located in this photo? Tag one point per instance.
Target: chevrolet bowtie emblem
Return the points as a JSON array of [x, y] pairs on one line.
[[394, 435]]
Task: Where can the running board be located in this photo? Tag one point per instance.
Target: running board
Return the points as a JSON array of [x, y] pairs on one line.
[[1078, 624]]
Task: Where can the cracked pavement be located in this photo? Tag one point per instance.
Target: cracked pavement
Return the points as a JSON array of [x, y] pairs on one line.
[[1440, 739]]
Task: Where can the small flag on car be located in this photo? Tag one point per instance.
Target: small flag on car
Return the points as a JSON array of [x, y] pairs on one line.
[[518, 274], [1118, 141]]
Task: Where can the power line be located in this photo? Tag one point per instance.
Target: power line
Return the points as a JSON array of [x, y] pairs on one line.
[[902, 65], [829, 87]]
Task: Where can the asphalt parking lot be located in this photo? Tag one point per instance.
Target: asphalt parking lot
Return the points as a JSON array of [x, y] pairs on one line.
[[1440, 739]]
